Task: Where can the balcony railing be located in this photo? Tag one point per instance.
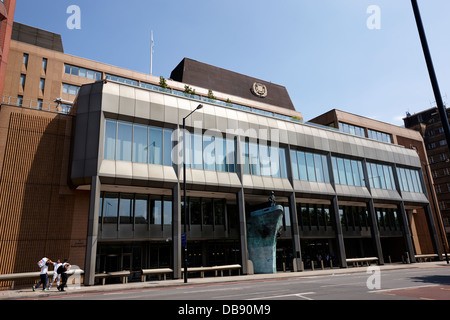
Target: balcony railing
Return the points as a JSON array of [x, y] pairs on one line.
[[36, 105]]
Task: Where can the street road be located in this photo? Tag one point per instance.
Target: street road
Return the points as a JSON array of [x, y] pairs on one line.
[[407, 284]]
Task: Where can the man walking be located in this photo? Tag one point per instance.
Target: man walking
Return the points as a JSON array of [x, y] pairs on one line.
[[64, 268], [43, 264], [56, 275]]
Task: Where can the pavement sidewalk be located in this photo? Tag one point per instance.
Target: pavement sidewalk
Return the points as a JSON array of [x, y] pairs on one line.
[[29, 294]]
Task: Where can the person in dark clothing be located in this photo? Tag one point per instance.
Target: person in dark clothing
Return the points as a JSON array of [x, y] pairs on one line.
[[64, 268]]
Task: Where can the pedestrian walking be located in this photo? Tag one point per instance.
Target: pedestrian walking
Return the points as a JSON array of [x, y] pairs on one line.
[[63, 271], [56, 275], [43, 264]]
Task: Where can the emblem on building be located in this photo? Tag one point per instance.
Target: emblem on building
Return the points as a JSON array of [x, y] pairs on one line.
[[259, 90]]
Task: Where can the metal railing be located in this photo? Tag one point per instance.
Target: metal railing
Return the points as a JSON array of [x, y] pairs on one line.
[[36, 105]]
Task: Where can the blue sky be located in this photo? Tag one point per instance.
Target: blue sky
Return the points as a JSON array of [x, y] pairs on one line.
[[321, 51]]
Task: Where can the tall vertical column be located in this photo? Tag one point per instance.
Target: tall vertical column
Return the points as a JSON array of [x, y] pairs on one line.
[[375, 232], [433, 231], [176, 231], [295, 234], [339, 234], [243, 231], [91, 246], [407, 233], [294, 217]]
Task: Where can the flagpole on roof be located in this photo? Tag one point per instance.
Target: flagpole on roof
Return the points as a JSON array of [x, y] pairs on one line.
[[151, 55]]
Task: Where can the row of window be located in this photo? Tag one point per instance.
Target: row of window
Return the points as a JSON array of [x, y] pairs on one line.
[[348, 172], [357, 218], [70, 89], [127, 208], [409, 180], [380, 176], [207, 152], [261, 159], [309, 166], [143, 209], [360, 131], [82, 72], [125, 141]]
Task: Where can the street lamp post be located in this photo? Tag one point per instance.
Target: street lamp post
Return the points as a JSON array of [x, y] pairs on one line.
[[200, 106], [435, 85]]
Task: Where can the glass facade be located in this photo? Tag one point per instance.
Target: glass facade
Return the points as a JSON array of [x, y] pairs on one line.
[[380, 176], [205, 211], [125, 141], [82, 72], [210, 152], [409, 180], [262, 159], [360, 132], [354, 218], [309, 166], [313, 216], [348, 171], [137, 209]]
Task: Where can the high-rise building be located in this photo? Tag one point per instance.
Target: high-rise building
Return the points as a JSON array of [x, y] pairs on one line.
[[428, 124]]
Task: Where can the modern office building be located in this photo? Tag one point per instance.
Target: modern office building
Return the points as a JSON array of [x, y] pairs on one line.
[[428, 123], [102, 181], [7, 9], [381, 131]]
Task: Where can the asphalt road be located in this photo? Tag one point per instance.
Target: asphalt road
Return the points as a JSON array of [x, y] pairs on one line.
[[409, 284]]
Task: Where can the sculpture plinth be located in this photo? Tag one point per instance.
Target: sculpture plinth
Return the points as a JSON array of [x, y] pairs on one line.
[[262, 230]]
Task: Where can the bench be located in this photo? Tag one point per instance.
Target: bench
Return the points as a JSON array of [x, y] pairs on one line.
[[362, 260], [159, 272], [74, 271], [118, 274], [425, 257], [216, 269]]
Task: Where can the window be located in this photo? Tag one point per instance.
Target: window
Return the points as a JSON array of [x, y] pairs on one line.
[[155, 145], [23, 79], [70, 89], [380, 176], [121, 80], [351, 129], [409, 180], [25, 59], [44, 64], [126, 208], [209, 153], [124, 141], [167, 211], [348, 172], [140, 143], [40, 104], [141, 209], [20, 101], [310, 166], [110, 208], [42, 84], [167, 147], [379, 136], [82, 72], [311, 215], [155, 210]]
